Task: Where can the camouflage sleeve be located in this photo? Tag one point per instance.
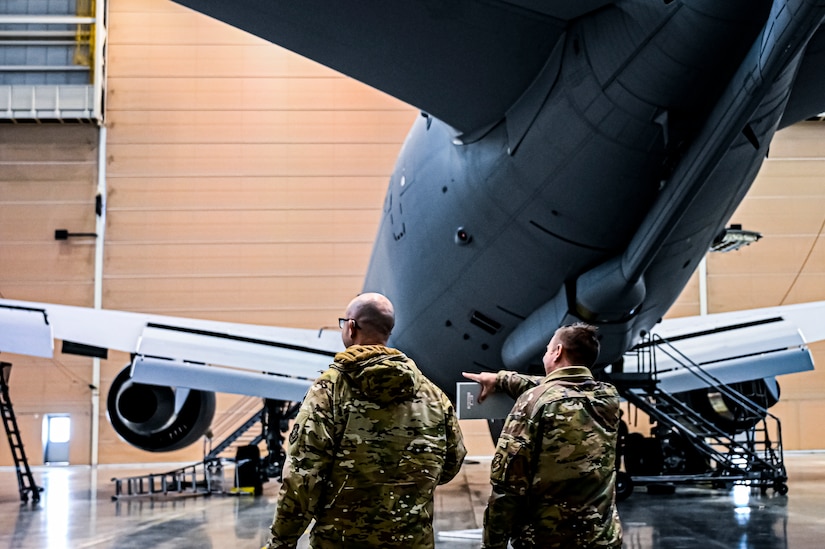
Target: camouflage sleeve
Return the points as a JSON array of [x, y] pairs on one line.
[[511, 476], [501, 508], [455, 444], [310, 454], [514, 384]]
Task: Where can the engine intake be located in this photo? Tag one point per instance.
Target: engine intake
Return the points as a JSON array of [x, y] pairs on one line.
[[157, 418]]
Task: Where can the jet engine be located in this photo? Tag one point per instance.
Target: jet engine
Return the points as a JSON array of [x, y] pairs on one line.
[[157, 418], [732, 416]]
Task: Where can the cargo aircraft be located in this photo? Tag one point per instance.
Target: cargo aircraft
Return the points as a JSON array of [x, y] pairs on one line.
[[573, 161]]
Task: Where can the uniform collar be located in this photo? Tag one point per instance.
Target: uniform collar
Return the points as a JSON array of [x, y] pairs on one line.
[[569, 371]]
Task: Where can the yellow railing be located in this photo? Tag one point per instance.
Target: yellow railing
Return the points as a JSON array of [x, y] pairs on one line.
[[85, 38]]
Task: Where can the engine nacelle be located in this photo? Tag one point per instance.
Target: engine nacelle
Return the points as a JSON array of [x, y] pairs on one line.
[[157, 418], [728, 415]]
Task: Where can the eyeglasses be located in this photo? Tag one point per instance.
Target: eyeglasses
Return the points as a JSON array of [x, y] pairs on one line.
[[343, 322]]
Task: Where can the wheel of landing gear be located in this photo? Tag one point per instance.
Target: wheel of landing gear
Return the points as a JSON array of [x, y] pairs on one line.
[[624, 486], [781, 488]]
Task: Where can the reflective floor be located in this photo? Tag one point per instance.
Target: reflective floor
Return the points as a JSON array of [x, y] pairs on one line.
[[76, 511]]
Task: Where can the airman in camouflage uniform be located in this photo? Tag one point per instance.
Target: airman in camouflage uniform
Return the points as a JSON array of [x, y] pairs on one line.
[[553, 471], [372, 440]]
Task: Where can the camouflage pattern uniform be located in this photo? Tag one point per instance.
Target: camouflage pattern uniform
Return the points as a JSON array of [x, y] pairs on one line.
[[371, 441], [553, 472]]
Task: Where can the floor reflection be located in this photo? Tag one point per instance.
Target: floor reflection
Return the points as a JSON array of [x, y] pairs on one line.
[[695, 517], [76, 510]]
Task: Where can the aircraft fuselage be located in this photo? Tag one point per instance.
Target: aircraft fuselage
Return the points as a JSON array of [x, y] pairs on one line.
[[488, 243]]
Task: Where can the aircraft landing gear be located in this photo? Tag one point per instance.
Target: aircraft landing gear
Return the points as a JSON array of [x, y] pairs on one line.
[[624, 486], [276, 418]]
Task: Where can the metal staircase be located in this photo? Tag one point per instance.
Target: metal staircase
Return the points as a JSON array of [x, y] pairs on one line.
[[206, 477], [234, 434], [202, 478], [752, 455], [25, 480]]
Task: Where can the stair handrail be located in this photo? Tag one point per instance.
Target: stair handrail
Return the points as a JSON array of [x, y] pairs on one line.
[[707, 377], [230, 419], [236, 434], [772, 448], [720, 458]]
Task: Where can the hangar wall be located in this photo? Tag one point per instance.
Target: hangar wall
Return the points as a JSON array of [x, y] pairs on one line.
[[787, 205], [245, 184], [48, 181]]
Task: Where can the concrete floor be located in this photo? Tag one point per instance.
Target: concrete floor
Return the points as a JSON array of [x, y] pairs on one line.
[[76, 511]]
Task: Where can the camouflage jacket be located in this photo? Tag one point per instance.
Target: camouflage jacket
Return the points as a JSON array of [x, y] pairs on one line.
[[553, 472], [371, 441]]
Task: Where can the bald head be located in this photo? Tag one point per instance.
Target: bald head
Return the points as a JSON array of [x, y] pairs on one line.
[[371, 318]]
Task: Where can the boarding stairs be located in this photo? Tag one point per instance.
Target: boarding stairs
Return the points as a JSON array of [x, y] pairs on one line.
[[25, 480], [235, 429], [206, 477], [750, 457]]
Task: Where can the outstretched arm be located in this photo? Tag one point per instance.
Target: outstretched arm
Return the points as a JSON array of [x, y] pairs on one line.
[[487, 380]]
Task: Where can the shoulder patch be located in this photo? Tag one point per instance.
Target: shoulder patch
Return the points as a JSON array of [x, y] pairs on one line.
[[296, 431], [496, 462]]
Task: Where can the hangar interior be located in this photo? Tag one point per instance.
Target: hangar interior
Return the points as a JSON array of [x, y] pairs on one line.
[[195, 170]]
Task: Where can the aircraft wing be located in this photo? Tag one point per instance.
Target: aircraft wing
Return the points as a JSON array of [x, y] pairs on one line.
[[731, 347], [281, 363], [277, 363], [465, 62], [700, 351]]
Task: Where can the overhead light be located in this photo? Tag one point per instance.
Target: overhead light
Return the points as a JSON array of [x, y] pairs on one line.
[[733, 238]]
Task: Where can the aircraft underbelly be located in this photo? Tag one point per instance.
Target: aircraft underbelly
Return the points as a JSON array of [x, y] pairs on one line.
[[536, 219]]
